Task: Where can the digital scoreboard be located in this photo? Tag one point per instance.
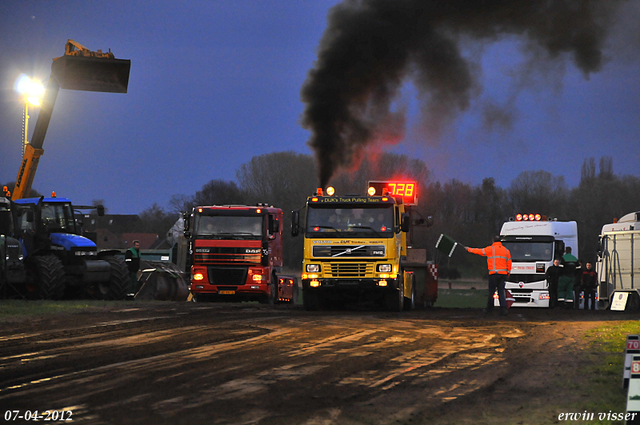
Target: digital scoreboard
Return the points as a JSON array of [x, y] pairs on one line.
[[407, 190]]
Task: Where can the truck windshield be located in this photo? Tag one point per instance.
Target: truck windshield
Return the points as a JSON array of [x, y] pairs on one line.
[[331, 221], [57, 217], [229, 227], [525, 251]]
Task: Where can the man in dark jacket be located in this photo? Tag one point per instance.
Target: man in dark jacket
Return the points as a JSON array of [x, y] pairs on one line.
[[553, 275], [569, 265], [589, 286], [132, 258]]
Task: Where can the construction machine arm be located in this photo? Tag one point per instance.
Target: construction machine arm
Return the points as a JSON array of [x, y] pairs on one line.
[[79, 69]]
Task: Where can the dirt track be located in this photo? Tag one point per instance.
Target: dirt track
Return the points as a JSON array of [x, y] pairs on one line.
[[186, 363]]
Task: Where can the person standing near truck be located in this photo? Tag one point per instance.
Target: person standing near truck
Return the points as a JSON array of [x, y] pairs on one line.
[[569, 265], [589, 286], [499, 265], [553, 275], [132, 258]]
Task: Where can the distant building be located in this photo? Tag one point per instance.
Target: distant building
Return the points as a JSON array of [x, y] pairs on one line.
[[117, 231]]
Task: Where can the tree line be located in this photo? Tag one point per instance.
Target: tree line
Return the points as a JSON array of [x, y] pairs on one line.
[[471, 214]]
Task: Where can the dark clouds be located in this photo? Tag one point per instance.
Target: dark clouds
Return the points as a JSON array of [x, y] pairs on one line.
[[370, 48]]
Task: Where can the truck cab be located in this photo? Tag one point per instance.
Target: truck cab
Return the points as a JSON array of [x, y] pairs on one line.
[[235, 252], [534, 243], [354, 247]]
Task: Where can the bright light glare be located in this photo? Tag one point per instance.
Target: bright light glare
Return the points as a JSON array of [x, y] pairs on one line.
[[32, 89]]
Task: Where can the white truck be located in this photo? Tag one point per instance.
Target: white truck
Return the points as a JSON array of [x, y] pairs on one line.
[[618, 264], [534, 244]]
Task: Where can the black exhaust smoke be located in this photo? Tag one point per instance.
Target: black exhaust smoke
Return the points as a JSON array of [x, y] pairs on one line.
[[370, 47]]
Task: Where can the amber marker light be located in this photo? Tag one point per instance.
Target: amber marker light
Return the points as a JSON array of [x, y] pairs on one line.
[[371, 191], [331, 191], [198, 276]]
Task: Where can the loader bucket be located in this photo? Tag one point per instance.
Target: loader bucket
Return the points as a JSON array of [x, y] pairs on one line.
[[92, 73], [163, 282]]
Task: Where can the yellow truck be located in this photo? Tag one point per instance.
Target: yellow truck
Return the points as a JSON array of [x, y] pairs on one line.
[[355, 247]]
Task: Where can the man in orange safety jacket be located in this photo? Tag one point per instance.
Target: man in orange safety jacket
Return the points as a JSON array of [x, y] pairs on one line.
[[499, 265]]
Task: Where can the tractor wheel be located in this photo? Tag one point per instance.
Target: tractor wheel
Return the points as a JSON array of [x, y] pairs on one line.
[[48, 278], [116, 287]]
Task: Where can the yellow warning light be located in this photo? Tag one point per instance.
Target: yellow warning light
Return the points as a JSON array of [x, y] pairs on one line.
[[371, 191], [258, 211], [199, 210], [331, 190], [314, 283], [198, 276]]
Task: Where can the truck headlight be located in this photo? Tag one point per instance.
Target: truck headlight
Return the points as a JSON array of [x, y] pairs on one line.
[[313, 268], [384, 268]]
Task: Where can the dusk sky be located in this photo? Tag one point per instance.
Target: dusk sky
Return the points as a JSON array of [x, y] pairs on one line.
[[214, 83]]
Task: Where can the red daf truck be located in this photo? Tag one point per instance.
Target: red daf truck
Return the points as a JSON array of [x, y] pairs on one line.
[[235, 252]]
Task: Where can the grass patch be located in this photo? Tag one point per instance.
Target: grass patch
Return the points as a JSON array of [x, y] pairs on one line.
[[602, 391], [461, 298]]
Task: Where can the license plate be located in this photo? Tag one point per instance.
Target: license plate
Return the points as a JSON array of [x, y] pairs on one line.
[[227, 292]]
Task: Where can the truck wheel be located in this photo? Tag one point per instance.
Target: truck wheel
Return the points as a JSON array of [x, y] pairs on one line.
[[48, 278], [410, 303], [395, 298], [116, 287], [273, 290]]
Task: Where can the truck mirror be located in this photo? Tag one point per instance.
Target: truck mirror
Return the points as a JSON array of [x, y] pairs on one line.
[[405, 223], [186, 225], [295, 223], [100, 209]]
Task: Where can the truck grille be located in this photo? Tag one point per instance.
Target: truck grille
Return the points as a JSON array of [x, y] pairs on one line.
[[225, 255], [227, 275], [349, 251], [525, 278], [351, 270]]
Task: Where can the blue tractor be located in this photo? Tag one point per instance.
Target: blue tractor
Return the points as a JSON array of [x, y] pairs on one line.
[[59, 261]]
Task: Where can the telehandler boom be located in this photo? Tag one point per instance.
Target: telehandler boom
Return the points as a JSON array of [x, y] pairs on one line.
[[78, 69]]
